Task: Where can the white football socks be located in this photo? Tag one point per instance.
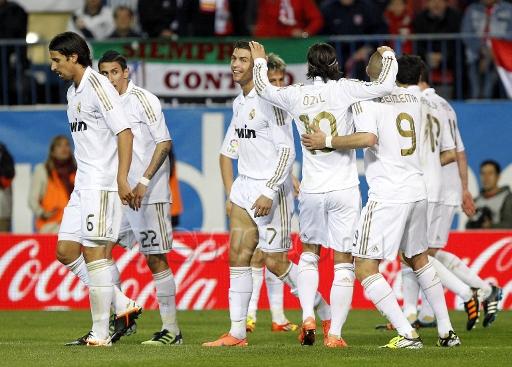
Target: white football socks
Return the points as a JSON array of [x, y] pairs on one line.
[[79, 268], [451, 281], [432, 288], [121, 302], [100, 296], [341, 296], [275, 289], [463, 272], [240, 290], [320, 305], [410, 292], [380, 293], [426, 313], [257, 282], [307, 283], [166, 295]]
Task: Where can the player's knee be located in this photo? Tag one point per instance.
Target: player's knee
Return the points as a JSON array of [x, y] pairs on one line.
[[365, 268], [157, 263], [67, 254], [276, 263], [308, 261]]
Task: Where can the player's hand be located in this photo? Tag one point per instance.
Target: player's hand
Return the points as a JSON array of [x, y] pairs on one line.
[[315, 140], [296, 186], [257, 50], [229, 205], [468, 205], [138, 194], [262, 206], [383, 49], [125, 193]]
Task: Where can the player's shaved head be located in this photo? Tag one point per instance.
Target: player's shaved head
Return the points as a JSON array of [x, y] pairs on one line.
[[374, 66]]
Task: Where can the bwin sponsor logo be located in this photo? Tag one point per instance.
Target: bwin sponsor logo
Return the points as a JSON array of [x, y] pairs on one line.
[[245, 133], [77, 126]]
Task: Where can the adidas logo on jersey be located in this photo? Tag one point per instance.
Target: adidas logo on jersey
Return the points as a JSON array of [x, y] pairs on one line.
[[245, 133], [77, 126]]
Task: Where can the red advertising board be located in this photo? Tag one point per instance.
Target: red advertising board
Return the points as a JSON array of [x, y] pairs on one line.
[[31, 277]]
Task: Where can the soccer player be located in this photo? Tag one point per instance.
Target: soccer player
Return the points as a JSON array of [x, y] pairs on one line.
[[275, 286], [395, 216], [261, 195], [329, 199], [458, 277], [149, 224], [103, 151]]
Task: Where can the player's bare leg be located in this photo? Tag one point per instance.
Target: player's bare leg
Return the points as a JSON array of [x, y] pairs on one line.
[[243, 242], [69, 253], [257, 269], [165, 285], [433, 289], [341, 298], [378, 290]]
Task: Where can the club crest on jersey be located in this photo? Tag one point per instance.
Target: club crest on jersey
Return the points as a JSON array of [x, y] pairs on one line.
[[245, 133], [252, 114]]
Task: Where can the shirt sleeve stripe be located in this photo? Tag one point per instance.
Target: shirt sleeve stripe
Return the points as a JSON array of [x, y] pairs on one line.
[[102, 95], [260, 85], [279, 116], [145, 104], [387, 61], [280, 167]]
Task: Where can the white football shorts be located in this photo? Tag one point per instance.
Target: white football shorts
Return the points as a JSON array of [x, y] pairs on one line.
[[150, 227], [330, 219], [386, 228], [92, 218], [274, 228], [446, 214]]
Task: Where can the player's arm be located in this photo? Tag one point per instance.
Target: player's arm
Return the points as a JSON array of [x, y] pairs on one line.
[[112, 109], [359, 91], [448, 156], [284, 98], [228, 153], [282, 136], [151, 114], [366, 135]]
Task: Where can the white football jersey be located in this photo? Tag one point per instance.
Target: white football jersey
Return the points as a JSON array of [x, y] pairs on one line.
[[96, 115], [451, 189], [327, 106], [435, 139], [148, 130], [262, 141], [392, 166]]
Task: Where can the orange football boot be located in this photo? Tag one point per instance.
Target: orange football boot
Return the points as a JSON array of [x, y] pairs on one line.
[[308, 331], [227, 340]]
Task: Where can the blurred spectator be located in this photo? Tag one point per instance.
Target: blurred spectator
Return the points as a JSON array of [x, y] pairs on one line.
[[93, 21], [132, 4], [159, 18], [52, 184], [438, 17], [353, 17], [484, 19], [214, 17], [177, 204], [399, 20], [494, 204], [6, 177], [13, 25], [123, 21], [288, 18]]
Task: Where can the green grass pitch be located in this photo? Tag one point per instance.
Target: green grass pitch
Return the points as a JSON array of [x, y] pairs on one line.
[[36, 339]]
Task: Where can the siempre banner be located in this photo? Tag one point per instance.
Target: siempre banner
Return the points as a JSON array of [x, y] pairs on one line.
[[31, 277], [197, 67]]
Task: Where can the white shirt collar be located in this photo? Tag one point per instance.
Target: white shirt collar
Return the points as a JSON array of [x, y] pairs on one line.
[[81, 86]]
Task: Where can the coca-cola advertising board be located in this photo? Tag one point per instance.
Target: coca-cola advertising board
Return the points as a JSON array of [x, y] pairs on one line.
[[31, 277]]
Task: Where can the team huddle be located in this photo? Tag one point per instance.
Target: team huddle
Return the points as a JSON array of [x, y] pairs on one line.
[[414, 164]]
